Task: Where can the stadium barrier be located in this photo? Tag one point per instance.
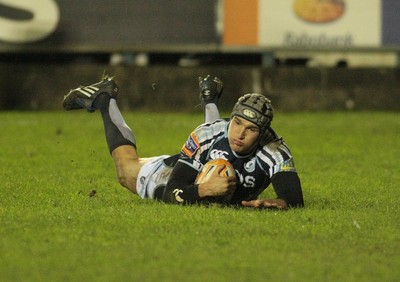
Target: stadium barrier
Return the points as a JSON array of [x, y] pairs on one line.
[[173, 88]]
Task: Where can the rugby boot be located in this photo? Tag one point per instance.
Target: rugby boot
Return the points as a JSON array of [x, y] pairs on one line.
[[84, 96], [210, 90]]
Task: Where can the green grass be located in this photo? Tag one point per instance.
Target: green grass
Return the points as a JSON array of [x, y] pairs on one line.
[[52, 229]]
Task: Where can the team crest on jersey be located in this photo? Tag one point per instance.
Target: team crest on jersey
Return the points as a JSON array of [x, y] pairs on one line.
[[287, 165], [250, 166], [191, 146]]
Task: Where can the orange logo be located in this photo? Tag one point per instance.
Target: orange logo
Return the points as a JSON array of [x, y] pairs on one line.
[[319, 11]]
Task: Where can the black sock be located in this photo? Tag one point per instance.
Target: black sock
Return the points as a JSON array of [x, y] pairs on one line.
[[116, 130]]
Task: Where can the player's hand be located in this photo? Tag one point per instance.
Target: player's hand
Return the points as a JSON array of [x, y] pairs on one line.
[[265, 203], [217, 185]]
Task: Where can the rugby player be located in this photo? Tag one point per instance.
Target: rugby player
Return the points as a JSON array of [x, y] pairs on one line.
[[259, 156]]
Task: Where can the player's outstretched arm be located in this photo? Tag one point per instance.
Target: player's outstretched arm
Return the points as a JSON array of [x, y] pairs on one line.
[[287, 186], [288, 189]]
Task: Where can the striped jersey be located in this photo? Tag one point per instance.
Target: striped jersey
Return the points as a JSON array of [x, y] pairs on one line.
[[253, 171]]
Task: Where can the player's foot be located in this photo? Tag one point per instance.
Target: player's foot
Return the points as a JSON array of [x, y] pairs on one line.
[[210, 90], [84, 96]]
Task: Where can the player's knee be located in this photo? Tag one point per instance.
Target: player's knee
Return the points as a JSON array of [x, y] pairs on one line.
[[127, 170], [126, 179], [122, 179]]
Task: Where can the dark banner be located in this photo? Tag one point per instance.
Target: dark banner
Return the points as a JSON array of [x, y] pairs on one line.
[[390, 23], [96, 25]]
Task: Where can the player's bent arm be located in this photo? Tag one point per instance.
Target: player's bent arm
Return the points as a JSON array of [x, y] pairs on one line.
[[180, 188], [287, 186]]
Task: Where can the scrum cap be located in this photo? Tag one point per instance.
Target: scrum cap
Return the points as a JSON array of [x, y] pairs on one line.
[[255, 108]]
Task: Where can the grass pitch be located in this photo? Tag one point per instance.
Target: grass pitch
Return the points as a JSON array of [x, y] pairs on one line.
[[63, 217]]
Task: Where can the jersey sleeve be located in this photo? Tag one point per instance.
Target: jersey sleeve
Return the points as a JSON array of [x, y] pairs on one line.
[[194, 150], [277, 161], [287, 186], [181, 187], [276, 157], [191, 152], [283, 174]]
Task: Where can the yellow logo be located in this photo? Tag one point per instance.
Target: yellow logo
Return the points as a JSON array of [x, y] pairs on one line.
[[319, 11]]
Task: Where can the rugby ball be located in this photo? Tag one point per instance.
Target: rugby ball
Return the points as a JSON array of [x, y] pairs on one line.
[[211, 166]]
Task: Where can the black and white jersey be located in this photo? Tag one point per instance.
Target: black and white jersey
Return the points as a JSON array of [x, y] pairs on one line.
[[254, 171]]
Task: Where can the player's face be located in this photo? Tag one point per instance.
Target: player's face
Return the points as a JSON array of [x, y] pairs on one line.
[[243, 135]]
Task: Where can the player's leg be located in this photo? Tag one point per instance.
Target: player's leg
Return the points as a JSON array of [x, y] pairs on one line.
[[120, 138], [121, 142], [128, 165], [210, 92]]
